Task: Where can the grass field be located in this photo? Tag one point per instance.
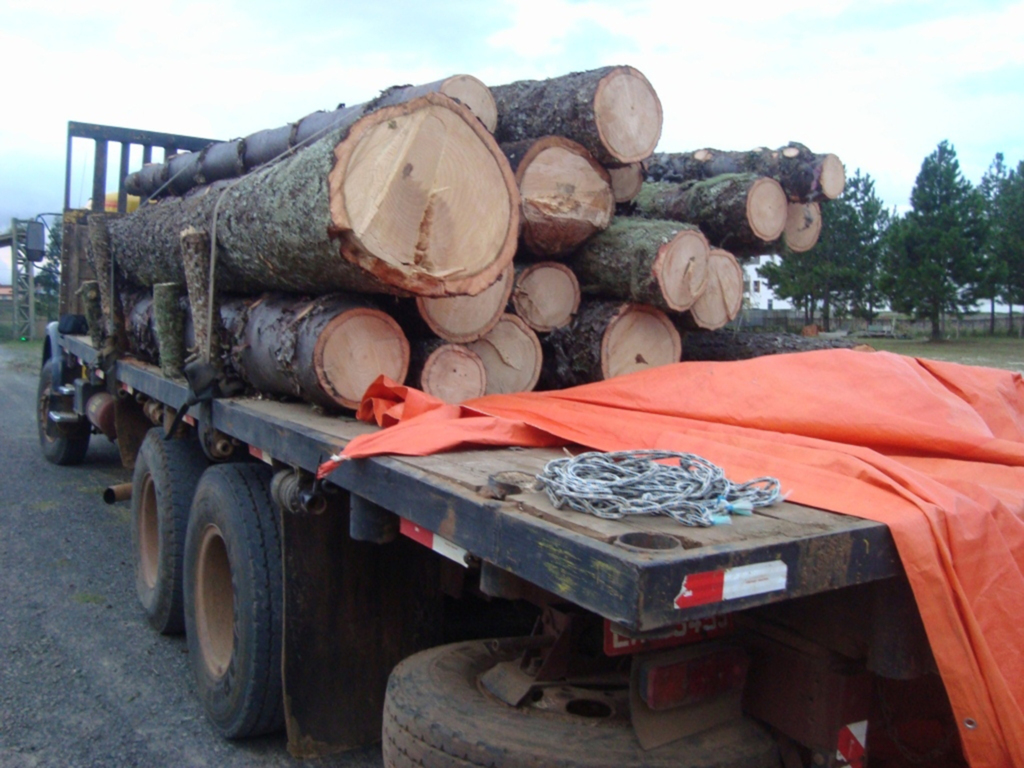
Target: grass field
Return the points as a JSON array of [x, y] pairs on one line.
[[993, 352]]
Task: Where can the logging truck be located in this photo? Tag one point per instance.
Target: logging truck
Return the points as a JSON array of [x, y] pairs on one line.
[[444, 607]]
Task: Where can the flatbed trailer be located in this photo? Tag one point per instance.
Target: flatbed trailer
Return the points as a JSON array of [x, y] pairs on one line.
[[785, 638]]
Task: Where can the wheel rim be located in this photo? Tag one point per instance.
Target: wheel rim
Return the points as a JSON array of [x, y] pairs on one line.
[[149, 533], [214, 602]]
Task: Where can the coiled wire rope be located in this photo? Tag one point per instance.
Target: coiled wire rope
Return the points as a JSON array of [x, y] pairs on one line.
[[691, 489]]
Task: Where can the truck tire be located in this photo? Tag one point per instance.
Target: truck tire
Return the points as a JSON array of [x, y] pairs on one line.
[[233, 600], [437, 716], [67, 447], [163, 483]]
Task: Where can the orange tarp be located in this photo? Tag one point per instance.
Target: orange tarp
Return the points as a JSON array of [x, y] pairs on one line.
[[934, 450]]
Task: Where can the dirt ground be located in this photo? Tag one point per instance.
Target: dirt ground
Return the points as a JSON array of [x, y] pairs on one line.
[[84, 681]]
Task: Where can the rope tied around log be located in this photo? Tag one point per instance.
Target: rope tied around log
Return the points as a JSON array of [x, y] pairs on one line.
[[691, 489]]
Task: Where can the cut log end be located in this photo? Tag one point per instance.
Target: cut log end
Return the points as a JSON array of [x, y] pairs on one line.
[[803, 226], [354, 349], [475, 95], [628, 115], [767, 208], [511, 355], [722, 299], [681, 269], [546, 296], [453, 373], [626, 181], [833, 177], [566, 196], [639, 337], [424, 199], [462, 319]]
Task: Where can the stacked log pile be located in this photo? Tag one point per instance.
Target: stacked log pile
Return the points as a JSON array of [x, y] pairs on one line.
[[379, 239]]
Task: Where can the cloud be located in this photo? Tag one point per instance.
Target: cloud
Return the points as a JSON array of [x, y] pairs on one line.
[[879, 82]]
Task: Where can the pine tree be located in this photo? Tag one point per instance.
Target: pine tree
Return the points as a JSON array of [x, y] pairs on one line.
[[1007, 240], [934, 258], [841, 271]]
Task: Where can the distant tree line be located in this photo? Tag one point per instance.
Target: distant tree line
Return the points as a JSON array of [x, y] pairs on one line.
[[958, 245]]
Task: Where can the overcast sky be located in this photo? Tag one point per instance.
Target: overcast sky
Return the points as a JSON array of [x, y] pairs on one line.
[[878, 82]]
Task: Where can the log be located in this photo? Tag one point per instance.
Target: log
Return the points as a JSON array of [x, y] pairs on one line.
[[461, 319], [450, 372], [169, 328], [90, 293], [465, 89], [229, 159], [325, 351], [732, 209], [613, 112], [727, 344], [414, 198], [722, 299], [140, 329], [511, 355], [100, 256], [546, 295], [203, 302], [607, 339], [626, 181], [661, 263], [803, 226], [805, 176], [565, 194]]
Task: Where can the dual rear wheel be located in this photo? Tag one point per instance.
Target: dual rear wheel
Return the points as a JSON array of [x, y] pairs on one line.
[[206, 542]]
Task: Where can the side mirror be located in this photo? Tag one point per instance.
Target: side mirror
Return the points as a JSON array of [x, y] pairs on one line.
[[35, 241]]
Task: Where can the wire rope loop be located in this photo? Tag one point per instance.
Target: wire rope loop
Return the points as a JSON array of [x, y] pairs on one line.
[[684, 486]]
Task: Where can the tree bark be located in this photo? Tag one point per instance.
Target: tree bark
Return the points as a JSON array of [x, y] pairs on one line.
[[732, 209], [805, 176], [661, 263], [722, 299], [462, 319], [546, 295], [606, 339], [743, 345], [512, 357], [203, 301], [109, 282], [450, 372], [169, 328], [229, 159], [613, 112], [325, 351], [803, 226], [90, 293], [375, 205], [566, 194]]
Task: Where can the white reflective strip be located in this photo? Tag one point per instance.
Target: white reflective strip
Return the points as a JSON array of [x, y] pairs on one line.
[[756, 579], [449, 550]]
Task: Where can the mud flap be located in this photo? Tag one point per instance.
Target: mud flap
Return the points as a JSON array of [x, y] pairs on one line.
[[352, 611]]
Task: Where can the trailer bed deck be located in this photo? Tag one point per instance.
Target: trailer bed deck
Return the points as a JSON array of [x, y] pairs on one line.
[[605, 566]]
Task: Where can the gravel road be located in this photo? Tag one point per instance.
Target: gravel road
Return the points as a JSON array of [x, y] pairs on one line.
[[84, 681]]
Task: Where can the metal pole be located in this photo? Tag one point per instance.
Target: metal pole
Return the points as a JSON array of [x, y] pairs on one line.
[[14, 279]]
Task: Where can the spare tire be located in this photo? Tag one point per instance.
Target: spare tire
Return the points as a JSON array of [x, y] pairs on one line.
[[436, 715]]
